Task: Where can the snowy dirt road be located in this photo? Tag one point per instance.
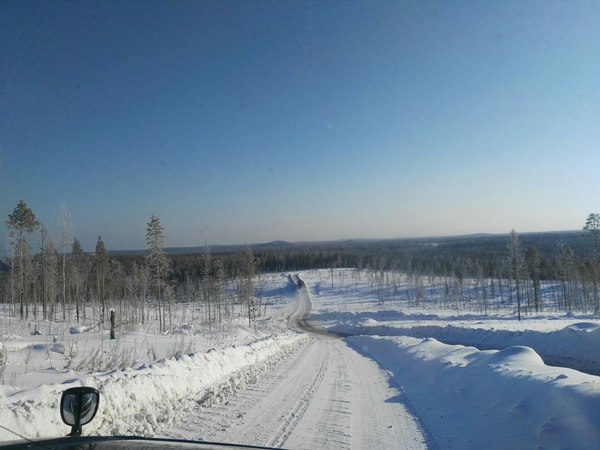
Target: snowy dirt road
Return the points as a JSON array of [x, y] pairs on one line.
[[325, 395]]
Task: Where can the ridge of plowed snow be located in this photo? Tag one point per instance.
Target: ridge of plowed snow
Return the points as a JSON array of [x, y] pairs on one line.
[[576, 346], [510, 397], [141, 401]]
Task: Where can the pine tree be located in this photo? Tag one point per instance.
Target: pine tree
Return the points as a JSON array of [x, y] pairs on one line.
[[248, 269], [157, 261], [65, 233], [516, 266], [566, 265], [207, 282], [532, 258], [48, 275], [78, 272], [21, 222], [101, 269], [592, 226]]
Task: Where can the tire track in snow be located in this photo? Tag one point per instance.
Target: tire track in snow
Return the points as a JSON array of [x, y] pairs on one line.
[[264, 411], [294, 416], [324, 395]]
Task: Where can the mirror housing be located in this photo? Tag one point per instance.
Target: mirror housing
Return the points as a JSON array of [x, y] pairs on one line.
[[78, 406]]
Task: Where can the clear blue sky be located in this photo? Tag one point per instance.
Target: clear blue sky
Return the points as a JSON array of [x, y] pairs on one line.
[[243, 121]]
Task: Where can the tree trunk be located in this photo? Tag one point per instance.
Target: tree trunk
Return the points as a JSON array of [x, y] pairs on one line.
[[112, 323]]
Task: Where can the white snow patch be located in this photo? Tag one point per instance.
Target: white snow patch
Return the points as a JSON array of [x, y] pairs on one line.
[[141, 401], [505, 398]]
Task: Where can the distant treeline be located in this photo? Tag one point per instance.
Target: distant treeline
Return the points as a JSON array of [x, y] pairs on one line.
[[468, 255], [62, 280]]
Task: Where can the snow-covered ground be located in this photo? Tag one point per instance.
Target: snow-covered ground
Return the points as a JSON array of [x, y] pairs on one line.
[[394, 381], [143, 374], [491, 399], [352, 307], [469, 397]]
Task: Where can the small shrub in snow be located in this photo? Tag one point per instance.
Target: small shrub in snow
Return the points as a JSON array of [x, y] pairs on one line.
[[179, 349], [3, 360], [28, 358], [151, 353], [49, 355], [70, 354]]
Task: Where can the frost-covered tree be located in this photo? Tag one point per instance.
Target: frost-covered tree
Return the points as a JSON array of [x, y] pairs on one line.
[[78, 276], [48, 275], [207, 282], [566, 265], [247, 270], [137, 283], [21, 222], [516, 266], [158, 263], [65, 237], [532, 259], [592, 226], [102, 272]]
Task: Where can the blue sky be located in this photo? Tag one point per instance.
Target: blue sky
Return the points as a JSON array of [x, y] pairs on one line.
[[243, 121]]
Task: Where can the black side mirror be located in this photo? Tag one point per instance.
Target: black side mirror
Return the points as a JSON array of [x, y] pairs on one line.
[[78, 406]]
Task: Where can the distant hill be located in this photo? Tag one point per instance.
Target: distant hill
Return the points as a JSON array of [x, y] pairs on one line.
[[545, 242]]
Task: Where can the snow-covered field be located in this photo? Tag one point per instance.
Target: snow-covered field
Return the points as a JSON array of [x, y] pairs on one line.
[[414, 375], [352, 307], [502, 397], [142, 374]]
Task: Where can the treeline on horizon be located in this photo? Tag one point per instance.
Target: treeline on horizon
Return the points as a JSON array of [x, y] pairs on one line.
[[62, 277], [445, 256]]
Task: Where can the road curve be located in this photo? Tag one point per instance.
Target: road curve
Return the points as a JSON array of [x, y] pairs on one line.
[[323, 396]]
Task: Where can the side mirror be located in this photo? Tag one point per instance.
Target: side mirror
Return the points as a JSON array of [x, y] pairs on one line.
[[78, 406]]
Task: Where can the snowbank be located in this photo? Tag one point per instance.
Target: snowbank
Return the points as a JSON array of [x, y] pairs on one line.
[[491, 399], [143, 400], [576, 346]]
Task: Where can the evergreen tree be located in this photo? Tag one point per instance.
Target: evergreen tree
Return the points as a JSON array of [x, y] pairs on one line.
[[592, 226], [516, 267], [158, 263], [21, 222], [65, 224], [532, 258], [248, 269], [565, 271], [78, 272], [101, 269], [48, 276]]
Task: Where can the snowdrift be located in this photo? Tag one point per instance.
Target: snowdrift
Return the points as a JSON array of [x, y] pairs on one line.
[[143, 400], [490, 399], [576, 346]]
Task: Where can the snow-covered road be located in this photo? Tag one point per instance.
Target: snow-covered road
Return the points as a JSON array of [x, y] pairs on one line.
[[325, 395]]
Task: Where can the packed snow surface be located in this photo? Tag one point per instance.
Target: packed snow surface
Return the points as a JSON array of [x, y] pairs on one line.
[[401, 373], [491, 399], [352, 307], [142, 401]]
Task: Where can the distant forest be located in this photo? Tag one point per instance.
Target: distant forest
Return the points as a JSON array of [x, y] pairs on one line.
[[62, 280], [470, 255]]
